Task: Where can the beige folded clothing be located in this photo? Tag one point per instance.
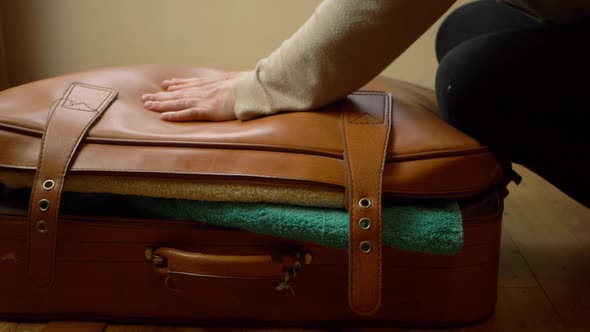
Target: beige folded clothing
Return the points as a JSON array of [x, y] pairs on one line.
[[192, 189]]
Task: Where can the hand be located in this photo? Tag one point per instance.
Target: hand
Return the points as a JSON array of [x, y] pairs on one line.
[[195, 99]]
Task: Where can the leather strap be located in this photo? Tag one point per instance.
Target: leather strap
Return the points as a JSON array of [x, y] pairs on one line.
[[366, 123], [68, 122], [59, 326]]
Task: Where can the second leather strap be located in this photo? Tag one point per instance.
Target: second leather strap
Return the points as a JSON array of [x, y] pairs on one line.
[[366, 125]]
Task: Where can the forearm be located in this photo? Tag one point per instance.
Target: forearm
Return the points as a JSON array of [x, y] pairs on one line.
[[341, 47]]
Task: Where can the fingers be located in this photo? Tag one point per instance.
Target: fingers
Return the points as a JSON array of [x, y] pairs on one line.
[[187, 85], [198, 114], [174, 81], [191, 114], [161, 96], [176, 84], [171, 105], [179, 84], [169, 95], [194, 99]]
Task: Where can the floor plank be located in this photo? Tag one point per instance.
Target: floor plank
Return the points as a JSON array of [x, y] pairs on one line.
[[552, 233], [518, 309], [141, 328], [522, 309], [8, 326], [132, 328], [522, 304], [514, 271], [29, 327]]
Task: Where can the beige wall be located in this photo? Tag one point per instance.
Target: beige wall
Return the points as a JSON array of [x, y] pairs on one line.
[[45, 38], [3, 77]]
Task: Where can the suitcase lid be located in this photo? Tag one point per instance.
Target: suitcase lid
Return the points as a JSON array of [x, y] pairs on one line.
[[426, 156]]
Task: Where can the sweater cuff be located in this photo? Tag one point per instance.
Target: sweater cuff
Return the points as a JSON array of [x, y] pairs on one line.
[[250, 98]]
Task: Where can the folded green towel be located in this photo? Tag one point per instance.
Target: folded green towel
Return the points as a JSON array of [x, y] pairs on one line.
[[433, 227], [426, 226]]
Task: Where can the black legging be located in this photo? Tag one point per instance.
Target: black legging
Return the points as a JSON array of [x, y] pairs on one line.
[[521, 87]]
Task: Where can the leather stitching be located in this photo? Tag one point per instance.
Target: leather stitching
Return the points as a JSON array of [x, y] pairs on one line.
[[387, 120], [54, 212], [62, 175], [386, 111], [354, 210], [35, 183], [350, 199]]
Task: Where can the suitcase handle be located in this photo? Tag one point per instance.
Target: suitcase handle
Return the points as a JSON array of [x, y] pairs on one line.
[[169, 261]]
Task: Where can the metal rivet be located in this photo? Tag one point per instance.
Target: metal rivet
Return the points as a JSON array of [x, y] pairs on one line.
[[44, 205], [365, 247], [48, 184], [365, 203], [307, 258], [365, 223], [41, 226]]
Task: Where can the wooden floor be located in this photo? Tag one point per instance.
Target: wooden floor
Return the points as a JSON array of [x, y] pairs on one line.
[[544, 282]]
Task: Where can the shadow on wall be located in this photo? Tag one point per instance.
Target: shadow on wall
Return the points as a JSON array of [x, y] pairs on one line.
[[3, 67], [46, 38], [20, 14]]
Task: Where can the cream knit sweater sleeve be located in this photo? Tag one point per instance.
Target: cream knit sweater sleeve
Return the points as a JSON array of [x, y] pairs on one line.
[[343, 45]]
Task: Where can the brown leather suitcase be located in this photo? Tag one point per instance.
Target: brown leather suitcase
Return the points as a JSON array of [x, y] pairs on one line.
[[88, 132]]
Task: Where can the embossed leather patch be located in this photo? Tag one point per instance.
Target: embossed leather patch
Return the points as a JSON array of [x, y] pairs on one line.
[[365, 115], [82, 97]]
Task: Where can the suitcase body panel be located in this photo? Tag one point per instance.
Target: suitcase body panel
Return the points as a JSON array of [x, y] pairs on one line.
[[102, 274]]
